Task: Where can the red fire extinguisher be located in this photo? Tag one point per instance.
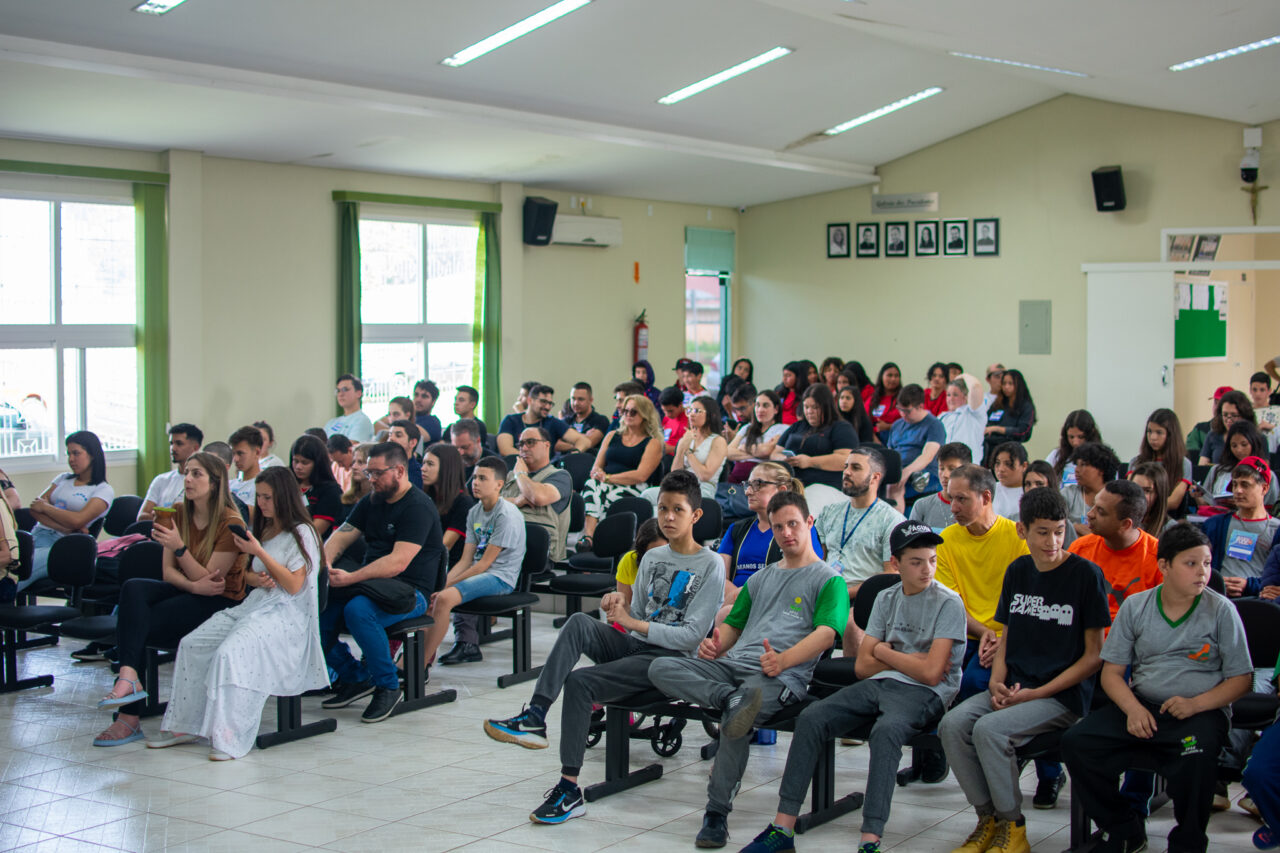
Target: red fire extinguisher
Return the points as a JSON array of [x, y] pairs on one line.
[[640, 340]]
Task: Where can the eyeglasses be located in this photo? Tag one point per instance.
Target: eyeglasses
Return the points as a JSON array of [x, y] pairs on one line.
[[757, 485], [531, 442], [993, 374], [630, 412], [375, 473]]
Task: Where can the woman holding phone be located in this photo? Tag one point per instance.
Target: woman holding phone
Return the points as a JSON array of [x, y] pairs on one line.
[[203, 572], [267, 646]]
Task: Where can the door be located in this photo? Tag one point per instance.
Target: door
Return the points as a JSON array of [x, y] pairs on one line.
[[1129, 356]]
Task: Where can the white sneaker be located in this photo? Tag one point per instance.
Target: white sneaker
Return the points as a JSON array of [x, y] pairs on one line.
[[219, 755]]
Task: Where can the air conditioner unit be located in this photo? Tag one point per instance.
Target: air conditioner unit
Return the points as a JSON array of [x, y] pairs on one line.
[[576, 230]]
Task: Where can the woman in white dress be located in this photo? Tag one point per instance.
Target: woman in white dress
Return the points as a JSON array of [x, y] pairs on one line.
[[267, 646]]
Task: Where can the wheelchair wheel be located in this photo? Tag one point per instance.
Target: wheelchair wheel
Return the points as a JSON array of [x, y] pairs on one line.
[[593, 737], [712, 729], [667, 739]]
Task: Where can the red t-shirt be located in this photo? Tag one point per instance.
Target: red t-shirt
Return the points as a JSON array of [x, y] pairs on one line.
[[673, 429], [937, 405], [789, 408], [885, 409]]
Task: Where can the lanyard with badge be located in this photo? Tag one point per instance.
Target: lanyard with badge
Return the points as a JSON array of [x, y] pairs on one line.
[[1241, 545], [837, 564]]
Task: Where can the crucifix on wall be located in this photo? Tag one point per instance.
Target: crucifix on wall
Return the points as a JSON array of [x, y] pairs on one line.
[[1253, 190]]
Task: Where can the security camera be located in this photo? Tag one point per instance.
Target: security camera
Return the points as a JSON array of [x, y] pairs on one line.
[[1249, 166], [742, 208]]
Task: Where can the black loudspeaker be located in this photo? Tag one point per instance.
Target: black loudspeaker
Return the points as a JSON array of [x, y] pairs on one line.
[[539, 216], [1108, 189]]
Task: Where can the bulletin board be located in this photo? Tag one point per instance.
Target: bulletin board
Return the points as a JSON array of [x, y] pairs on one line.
[[1200, 325]]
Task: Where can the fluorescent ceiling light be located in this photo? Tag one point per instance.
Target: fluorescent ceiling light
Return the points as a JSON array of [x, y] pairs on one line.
[[156, 7], [884, 111], [727, 74], [1225, 54], [1018, 64], [541, 19]]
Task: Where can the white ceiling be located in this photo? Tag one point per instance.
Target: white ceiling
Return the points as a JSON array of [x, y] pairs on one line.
[[573, 106]]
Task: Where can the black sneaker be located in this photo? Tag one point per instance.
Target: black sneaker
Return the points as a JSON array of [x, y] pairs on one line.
[[1112, 843], [524, 729], [345, 694], [564, 802], [740, 712], [1047, 792], [462, 653], [933, 766], [112, 654], [714, 832], [384, 701], [772, 840], [91, 652]]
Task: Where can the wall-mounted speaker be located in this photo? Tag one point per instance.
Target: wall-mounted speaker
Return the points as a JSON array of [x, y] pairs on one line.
[[539, 216], [1108, 188]]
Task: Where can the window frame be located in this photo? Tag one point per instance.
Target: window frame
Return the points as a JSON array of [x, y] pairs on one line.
[[725, 293], [57, 335]]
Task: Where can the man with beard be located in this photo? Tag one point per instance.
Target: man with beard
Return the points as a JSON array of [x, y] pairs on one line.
[[166, 489], [855, 535], [404, 548]]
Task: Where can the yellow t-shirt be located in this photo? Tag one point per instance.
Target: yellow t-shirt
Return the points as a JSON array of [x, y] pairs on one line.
[[974, 566], [628, 567]]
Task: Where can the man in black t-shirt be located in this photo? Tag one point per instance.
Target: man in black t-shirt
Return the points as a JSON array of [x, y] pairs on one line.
[[404, 551], [542, 398], [586, 420]]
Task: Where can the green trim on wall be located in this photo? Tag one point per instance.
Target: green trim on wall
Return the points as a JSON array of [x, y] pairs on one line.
[[100, 173], [417, 201], [349, 332], [152, 248], [487, 331]]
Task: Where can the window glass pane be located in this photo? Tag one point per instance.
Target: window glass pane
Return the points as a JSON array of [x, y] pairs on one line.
[[449, 365], [451, 273], [702, 295], [390, 272], [389, 371], [98, 261], [28, 402], [72, 417], [26, 272], [111, 396]]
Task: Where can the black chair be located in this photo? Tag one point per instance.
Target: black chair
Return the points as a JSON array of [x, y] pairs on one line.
[[710, 525], [637, 506], [50, 587], [517, 606], [142, 560], [1216, 583], [123, 512], [289, 725], [142, 528], [26, 521], [70, 565], [579, 467], [412, 632], [591, 575], [1256, 711]]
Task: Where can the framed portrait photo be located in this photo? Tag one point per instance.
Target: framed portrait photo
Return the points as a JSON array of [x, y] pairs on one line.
[[838, 240], [1180, 246], [896, 239], [926, 237], [1207, 247], [955, 236], [868, 245], [986, 237]]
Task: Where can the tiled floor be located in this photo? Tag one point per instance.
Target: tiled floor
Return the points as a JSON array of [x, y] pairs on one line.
[[426, 781]]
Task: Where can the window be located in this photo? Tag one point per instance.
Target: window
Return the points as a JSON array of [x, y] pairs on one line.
[[68, 309], [417, 307], [706, 323]]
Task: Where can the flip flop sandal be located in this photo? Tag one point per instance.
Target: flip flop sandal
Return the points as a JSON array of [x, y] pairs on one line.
[[112, 702]]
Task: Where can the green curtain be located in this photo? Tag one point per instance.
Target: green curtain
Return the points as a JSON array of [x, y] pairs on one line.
[[152, 248], [349, 332], [486, 330]]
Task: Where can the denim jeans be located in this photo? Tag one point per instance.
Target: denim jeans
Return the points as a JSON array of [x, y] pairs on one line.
[[481, 585], [42, 538], [366, 623]]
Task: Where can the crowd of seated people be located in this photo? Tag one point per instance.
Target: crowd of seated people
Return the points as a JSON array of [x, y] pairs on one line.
[[1067, 593]]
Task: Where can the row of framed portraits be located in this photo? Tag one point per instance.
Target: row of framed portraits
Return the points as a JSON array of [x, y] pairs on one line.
[[921, 238]]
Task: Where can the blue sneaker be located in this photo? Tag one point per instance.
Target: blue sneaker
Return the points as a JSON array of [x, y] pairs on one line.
[[525, 729], [564, 802], [772, 840], [1265, 838]]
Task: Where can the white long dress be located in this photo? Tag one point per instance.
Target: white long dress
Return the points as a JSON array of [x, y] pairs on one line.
[[268, 645]]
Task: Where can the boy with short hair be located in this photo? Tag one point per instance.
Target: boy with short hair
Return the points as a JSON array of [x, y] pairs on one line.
[[1009, 464], [909, 671], [1242, 540], [246, 445], [798, 606], [676, 593], [674, 421], [493, 554], [1053, 607], [935, 510], [1186, 646]]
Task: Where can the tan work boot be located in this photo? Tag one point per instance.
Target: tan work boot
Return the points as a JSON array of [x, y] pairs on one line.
[[979, 841], [1010, 838]]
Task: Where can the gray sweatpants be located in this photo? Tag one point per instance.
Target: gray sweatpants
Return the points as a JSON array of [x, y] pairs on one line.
[[980, 745], [898, 711], [466, 628], [709, 684], [622, 670]]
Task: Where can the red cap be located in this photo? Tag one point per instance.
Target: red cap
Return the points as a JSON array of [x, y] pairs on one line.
[[1258, 464], [1221, 389]]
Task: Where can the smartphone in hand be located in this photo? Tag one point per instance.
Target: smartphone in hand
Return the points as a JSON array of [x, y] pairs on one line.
[[238, 530]]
